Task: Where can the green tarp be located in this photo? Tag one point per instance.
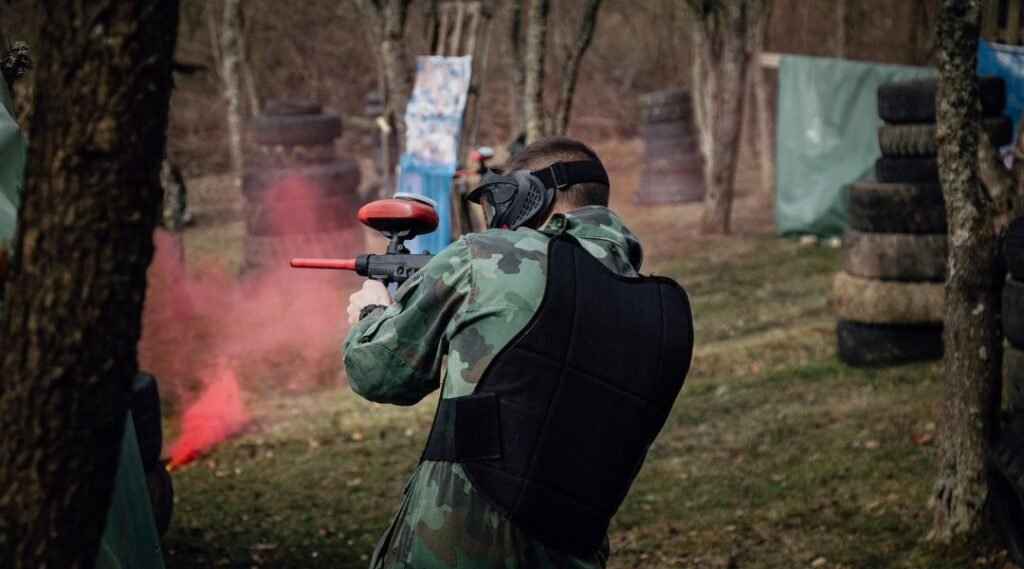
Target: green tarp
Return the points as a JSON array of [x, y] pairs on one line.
[[130, 540], [12, 164], [827, 137]]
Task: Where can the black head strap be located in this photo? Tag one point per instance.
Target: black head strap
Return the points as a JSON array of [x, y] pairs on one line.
[[562, 174]]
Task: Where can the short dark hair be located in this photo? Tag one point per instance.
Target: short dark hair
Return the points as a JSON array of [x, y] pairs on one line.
[[547, 151]]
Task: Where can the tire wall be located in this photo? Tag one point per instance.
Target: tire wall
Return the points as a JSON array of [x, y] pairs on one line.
[[301, 195], [673, 167]]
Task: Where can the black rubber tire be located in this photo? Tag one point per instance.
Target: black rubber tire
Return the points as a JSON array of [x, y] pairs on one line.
[[281, 156], [665, 106], [338, 178], [913, 170], [919, 139], [1013, 249], [672, 181], [1006, 494], [274, 251], [290, 107], [871, 301], [869, 345], [668, 130], [373, 104], [1013, 378], [914, 101], [145, 407], [897, 208], [1013, 312], [895, 256], [296, 130], [312, 216], [670, 148], [161, 496]]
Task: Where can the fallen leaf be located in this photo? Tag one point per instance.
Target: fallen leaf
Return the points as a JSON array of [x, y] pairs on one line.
[[923, 439]]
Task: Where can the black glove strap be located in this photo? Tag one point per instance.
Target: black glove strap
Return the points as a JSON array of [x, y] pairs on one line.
[[366, 310]]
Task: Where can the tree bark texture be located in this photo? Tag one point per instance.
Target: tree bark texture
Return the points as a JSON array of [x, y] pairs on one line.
[[721, 34], [840, 47], [75, 289], [571, 67], [762, 102], [396, 62], [536, 49], [973, 343], [514, 12], [231, 76]]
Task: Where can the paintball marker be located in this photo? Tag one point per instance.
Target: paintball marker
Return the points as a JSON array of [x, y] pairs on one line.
[[400, 218]]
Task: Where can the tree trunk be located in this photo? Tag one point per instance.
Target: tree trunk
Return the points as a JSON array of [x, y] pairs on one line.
[[396, 66], [536, 49], [762, 100], [515, 61], [840, 47], [571, 67], [230, 49], [77, 279], [721, 37], [973, 342]]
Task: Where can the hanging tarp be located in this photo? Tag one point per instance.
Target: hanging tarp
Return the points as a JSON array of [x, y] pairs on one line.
[[433, 121], [1006, 61], [827, 137], [130, 539], [12, 164]]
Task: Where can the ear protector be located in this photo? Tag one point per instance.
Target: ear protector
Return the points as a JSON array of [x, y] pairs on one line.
[[521, 197]]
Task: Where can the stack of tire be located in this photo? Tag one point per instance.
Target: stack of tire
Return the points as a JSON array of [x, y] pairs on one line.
[[673, 169], [145, 408], [1006, 460], [889, 294], [295, 140]]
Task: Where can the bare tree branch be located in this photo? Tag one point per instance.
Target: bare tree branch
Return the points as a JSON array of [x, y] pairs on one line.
[[571, 67], [536, 49], [514, 9]]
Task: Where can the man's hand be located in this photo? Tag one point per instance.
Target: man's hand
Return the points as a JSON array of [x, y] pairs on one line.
[[372, 292]]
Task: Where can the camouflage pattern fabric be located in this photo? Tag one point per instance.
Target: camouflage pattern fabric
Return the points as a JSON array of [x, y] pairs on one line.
[[454, 317]]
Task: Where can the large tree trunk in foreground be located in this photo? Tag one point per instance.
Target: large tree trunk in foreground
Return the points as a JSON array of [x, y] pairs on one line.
[[973, 341], [75, 290], [721, 32], [231, 76], [536, 49]]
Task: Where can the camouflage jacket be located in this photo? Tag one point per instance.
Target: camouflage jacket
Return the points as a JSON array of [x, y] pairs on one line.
[[453, 318]]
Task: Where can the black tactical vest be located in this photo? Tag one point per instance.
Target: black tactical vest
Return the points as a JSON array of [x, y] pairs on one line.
[[560, 423]]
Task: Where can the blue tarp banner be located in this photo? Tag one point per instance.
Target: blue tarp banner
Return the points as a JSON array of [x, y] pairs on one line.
[[433, 120], [1006, 61], [433, 180], [827, 137]]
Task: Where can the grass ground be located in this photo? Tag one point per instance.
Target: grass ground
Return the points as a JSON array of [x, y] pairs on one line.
[[776, 454]]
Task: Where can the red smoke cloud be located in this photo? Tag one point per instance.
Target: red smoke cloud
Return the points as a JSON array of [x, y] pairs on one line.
[[215, 416], [215, 340]]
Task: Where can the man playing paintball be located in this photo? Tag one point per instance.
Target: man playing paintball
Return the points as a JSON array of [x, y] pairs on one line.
[[560, 364]]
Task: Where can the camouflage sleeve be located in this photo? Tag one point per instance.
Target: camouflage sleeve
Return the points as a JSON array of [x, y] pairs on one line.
[[394, 355]]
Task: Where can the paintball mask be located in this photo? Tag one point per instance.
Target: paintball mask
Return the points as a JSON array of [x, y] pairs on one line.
[[521, 197]]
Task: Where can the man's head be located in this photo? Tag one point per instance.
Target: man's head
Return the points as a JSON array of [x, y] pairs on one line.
[[551, 175], [547, 151]]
